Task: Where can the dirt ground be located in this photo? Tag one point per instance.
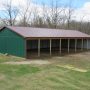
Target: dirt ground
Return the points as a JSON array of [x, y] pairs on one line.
[[39, 62]]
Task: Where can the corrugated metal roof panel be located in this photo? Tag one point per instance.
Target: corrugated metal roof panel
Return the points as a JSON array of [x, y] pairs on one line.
[[44, 32]]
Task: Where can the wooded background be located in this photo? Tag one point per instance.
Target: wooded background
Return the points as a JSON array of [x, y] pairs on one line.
[[57, 15]]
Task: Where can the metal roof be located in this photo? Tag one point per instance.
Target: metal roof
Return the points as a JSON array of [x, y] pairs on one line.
[[28, 32]]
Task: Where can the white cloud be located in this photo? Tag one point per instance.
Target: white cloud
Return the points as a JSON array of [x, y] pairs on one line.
[[83, 13], [17, 3], [87, 5]]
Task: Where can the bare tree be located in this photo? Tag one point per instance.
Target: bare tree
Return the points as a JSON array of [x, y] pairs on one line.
[[10, 13], [35, 17], [69, 13], [25, 14], [55, 14]]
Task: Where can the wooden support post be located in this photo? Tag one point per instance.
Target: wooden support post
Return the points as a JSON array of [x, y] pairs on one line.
[[82, 46], [60, 47], [50, 47], [87, 44], [75, 45], [38, 47], [68, 45]]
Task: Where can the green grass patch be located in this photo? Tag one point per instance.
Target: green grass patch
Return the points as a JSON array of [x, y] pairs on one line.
[[46, 77], [17, 70]]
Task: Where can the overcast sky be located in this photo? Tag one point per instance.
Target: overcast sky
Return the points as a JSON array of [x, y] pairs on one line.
[[82, 7]]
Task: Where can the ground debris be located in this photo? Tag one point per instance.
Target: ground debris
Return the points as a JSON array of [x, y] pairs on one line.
[[73, 68]]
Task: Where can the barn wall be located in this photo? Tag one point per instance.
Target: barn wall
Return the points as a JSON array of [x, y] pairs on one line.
[[85, 44], [79, 44], [72, 43], [33, 44], [11, 43]]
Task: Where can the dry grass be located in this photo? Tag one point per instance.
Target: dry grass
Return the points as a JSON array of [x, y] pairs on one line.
[[73, 68], [34, 62], [70, 72]]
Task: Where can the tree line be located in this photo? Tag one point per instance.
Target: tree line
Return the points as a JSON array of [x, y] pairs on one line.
[[56, 16]]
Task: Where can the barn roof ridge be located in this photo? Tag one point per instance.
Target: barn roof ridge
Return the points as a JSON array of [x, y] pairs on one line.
[[28, 32]]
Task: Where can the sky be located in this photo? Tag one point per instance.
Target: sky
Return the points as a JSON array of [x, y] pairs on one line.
[[76, 3], [81, 7]]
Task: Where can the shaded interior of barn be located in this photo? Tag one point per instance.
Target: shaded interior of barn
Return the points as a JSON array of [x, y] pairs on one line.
[[53, 47]]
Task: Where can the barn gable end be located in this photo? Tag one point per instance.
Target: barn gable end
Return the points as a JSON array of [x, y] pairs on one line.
[[11, 43]]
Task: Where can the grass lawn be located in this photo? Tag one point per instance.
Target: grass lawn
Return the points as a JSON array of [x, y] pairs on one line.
[[71, 72]]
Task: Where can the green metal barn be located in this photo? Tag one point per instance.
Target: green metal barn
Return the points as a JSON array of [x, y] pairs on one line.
[[22, 41], [11, 43]]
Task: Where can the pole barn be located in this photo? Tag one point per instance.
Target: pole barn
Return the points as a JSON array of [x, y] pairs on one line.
[[26, 41]]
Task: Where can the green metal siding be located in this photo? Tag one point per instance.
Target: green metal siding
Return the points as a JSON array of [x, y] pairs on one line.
[[12, 43]]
